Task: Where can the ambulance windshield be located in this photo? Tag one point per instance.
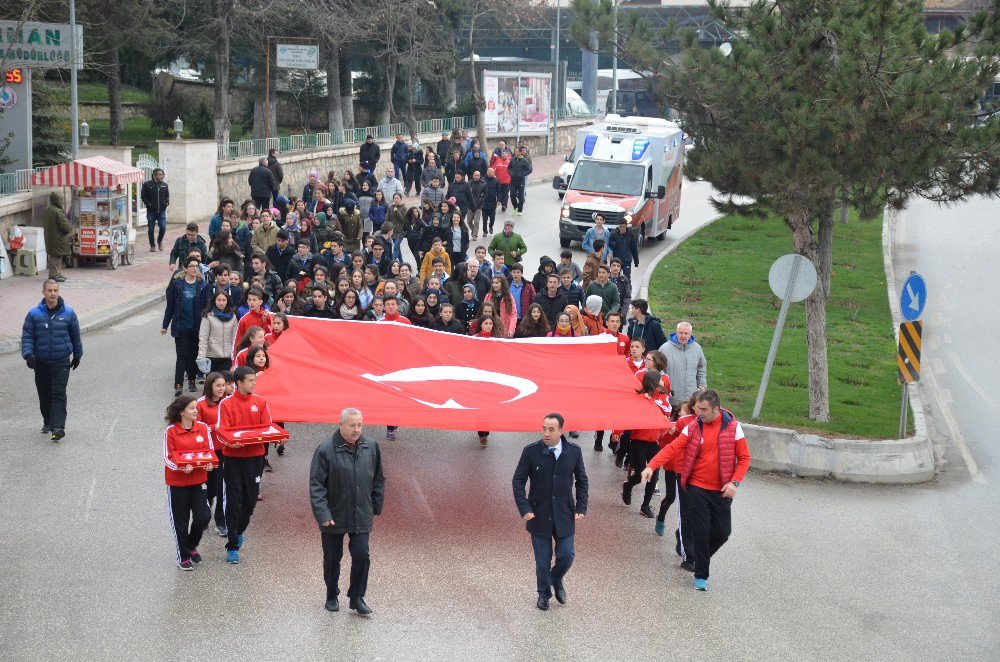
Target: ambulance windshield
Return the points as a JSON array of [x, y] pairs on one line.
[[608, 177]]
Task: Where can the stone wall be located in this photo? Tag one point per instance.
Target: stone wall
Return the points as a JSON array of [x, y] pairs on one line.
[[297, 165]]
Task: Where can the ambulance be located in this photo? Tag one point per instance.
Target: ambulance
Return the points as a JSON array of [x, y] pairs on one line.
[[626, 167]]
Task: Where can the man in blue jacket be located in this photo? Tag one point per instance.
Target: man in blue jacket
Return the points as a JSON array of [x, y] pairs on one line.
[[553, 464], [51, 346]]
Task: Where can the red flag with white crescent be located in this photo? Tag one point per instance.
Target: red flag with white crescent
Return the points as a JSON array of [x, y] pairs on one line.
[[415, 377]]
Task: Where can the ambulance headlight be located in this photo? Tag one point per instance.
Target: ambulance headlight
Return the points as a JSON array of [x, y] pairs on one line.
[[565, 211], [628, 218]]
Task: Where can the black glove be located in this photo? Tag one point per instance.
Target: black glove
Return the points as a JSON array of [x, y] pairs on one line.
[[75, 362], [30, 360]]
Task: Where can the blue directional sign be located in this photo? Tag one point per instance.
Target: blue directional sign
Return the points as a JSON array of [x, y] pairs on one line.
[[913, 298]]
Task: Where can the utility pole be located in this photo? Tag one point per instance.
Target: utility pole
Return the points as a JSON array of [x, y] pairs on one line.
[[614, 58], [556, 106], [74, 114]]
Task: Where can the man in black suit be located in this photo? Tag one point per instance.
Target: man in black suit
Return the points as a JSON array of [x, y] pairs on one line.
[[549, 510]]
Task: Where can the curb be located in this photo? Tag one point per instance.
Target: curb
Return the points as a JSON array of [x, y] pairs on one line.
[[105, 320], [882, 461]]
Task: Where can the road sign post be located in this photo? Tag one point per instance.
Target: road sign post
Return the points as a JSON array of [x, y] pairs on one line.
[[792, 278], [908, 361]]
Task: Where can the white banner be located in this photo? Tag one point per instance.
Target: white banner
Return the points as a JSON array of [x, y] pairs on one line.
[[40, 45], [298, 56], [517, 102]]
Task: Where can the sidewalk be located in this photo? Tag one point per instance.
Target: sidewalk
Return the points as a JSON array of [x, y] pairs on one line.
[[102, 297]]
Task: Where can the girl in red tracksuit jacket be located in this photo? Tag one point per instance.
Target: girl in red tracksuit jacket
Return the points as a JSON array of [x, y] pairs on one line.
[[656, 388], [216, 387], [186, 488], [254, 337], [613, 326], [671, 486]]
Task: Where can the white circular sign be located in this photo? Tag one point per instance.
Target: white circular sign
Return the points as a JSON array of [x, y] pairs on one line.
[[781, 273]]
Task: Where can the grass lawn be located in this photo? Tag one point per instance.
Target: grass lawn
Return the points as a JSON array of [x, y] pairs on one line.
[[136, 132], [718, 280], [99, 92]]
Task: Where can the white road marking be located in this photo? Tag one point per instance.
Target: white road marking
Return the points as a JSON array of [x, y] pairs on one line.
[[957, 362], [419, 500], [956, 434], [90, 500], [947, 338], [938, 365]]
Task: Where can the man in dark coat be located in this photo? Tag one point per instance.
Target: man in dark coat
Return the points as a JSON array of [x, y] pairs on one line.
[[347, 489], [369, 154], [553, 464], [275, 167], [552, 299], [57, 235], [155, 195], [262, 185]]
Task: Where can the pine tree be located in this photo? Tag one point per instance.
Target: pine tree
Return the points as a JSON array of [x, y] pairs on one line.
[[50, 127], [821, 104]]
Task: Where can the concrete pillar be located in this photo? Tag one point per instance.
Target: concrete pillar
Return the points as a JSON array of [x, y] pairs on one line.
[[122, 154], [589, 71], [189, 167]]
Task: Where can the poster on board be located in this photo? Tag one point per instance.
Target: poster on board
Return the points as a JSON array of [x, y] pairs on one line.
[[517, 103]]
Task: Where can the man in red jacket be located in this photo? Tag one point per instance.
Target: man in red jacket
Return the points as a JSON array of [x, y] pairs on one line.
[[713, 459], [244, 464]]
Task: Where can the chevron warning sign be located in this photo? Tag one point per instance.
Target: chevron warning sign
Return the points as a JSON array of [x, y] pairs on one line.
[[908, 356]]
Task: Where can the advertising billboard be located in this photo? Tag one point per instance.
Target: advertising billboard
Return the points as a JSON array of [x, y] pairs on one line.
[[41, 45], [517, 103]]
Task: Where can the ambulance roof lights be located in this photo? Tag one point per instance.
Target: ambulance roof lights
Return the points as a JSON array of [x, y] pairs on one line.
[[589, 143], [639, 148]]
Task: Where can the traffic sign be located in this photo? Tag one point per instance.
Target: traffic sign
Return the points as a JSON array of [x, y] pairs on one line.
[[908, 355], [792, 277], [914, 297]]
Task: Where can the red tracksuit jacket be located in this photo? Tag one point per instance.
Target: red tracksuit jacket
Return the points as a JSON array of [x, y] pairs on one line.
[[243, 412], [178, 440]]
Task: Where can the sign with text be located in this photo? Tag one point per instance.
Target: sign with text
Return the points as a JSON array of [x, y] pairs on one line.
[[516, 102], [40, 45], [298, 56]]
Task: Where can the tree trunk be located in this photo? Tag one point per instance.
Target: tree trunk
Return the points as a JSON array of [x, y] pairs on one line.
[[805, 244], [477, 97], [223, 102], [450, 90], [346, 91], [844, 211], [334, 116], [410, 117], [114, 96], [385, 113], [824, 261]]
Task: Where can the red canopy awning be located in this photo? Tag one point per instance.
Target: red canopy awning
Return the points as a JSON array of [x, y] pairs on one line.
[[94, 171]]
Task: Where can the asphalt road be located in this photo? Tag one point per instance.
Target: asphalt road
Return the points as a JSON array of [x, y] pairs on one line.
[[814, 570]]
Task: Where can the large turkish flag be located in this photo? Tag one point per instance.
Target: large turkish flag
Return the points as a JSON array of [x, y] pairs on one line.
[[415, 377]]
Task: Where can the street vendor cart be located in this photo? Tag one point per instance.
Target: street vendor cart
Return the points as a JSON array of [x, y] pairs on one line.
[[100, 207]]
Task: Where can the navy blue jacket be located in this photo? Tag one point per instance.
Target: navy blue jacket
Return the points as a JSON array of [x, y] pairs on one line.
[[399, 152], [651, 331], [175, 305], [550, 496], [51, 335]]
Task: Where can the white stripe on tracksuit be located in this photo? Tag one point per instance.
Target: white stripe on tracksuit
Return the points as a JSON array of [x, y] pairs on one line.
[[680, 531], [173, 526]]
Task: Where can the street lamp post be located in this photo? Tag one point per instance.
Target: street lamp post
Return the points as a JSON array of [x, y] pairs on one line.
[[178, 128], [74, 116], [84, 132], [614, 59], [556, 105]]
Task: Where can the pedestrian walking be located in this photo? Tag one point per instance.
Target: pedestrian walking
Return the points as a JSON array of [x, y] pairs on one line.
[[714, 458], [183, 319], [262, 184], [686, 363], [51, 346], [347, 490], [155, 196], [554, 466], [369, 153], [398, 156], [656, 388], [520, 167], [57, 236], [218, 385], [187, 489]]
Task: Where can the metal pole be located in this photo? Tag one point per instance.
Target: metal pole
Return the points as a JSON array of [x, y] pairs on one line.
[[558, 88], [614, 59], [778, 328], [267, 93], [517, 139], [74, 113], [904, 401]]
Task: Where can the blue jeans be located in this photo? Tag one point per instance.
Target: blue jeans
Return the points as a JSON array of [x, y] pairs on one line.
[[156, 218], [400, 170], [546, 574], [397, 253]]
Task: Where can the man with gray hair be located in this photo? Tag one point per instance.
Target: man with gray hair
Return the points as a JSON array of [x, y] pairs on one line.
[[262, 184], [347, 489], [686, 364]]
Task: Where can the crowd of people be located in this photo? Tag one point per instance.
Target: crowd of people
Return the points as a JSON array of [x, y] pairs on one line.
[[337, 253]]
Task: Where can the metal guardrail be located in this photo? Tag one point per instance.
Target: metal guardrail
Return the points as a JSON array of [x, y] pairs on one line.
[[300, 142], [18, 181]]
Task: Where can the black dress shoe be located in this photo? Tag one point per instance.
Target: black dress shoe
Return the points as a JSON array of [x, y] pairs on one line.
[[543, 603], [626, 494], [333, 604], [358, 605], [560, 594]]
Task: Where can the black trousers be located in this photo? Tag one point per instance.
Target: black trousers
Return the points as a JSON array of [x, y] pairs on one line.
[[489, 218], [333, 552], [517, 194], [624, 445], [240, 487], [215, 492], [710, 525], [504, 196], [50, 382], [186, 344], [669, 493], [189, 515], [262, 203], [639, 456], [218, 365]]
